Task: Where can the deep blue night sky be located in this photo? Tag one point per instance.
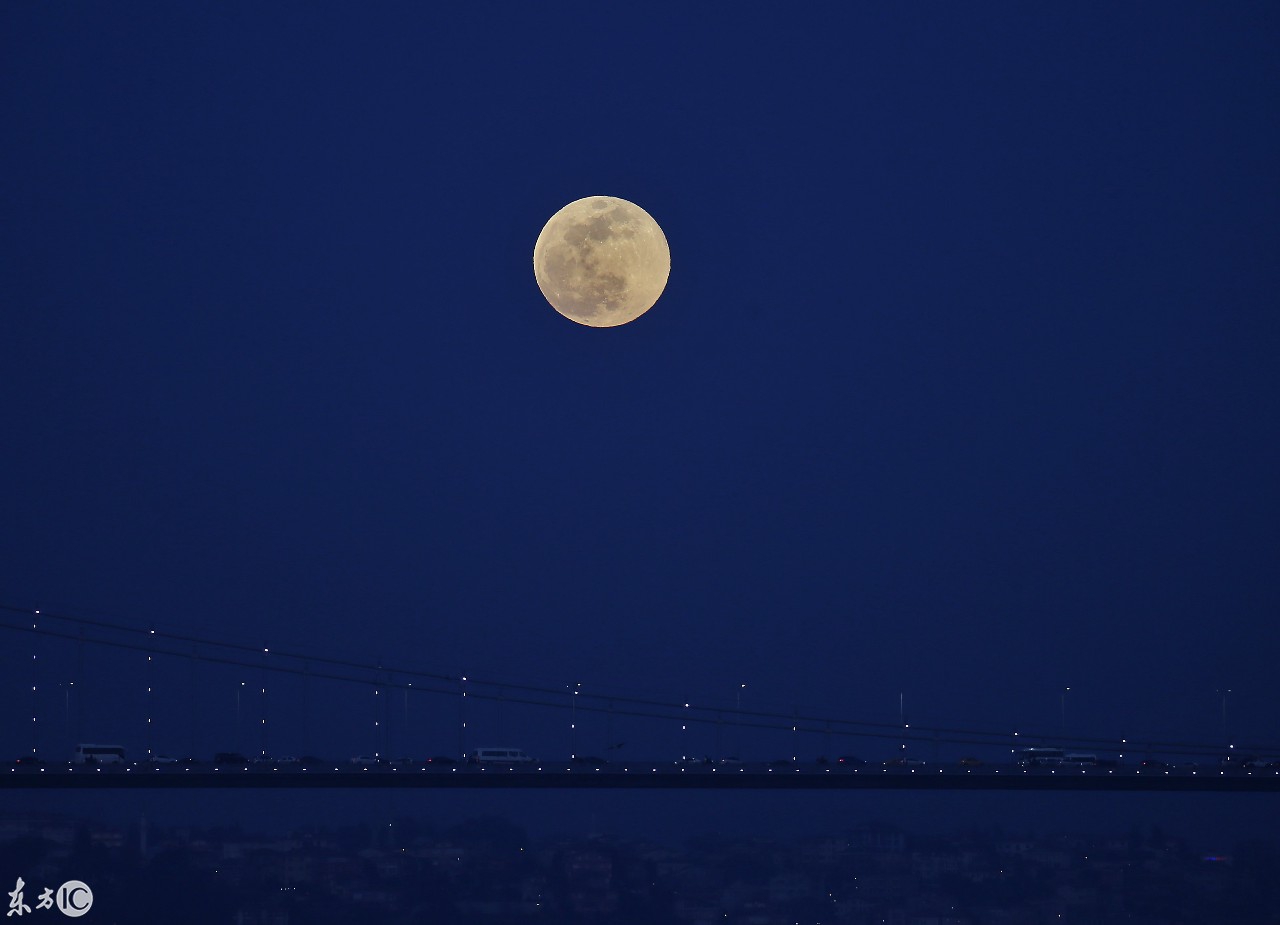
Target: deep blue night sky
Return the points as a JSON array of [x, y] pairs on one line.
[[963, 387]]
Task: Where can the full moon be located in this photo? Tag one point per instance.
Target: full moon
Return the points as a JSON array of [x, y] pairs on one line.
[[601, 261]]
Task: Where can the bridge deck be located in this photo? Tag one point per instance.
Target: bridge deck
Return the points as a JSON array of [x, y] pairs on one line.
[[648, 778]]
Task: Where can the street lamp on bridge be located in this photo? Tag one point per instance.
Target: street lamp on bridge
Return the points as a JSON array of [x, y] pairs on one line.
[[239, 738], [737, 718], [573, 718], [1226, 740]]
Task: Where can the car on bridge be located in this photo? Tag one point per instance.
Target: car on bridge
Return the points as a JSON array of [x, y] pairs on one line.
[[1080, 759], [904, 763], [1235, 762], [689, 761]]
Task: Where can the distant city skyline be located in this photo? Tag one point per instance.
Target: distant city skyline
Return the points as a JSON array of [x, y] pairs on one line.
[[491, 869]]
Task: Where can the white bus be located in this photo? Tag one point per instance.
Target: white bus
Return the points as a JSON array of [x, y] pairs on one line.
[[98, 754], [507, 756], [1040, 757]]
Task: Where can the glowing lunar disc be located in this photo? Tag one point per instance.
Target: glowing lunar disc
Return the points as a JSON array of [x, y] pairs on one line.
[[601, 261]]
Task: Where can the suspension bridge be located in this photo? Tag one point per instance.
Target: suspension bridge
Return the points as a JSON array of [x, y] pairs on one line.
[[179, 710]]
